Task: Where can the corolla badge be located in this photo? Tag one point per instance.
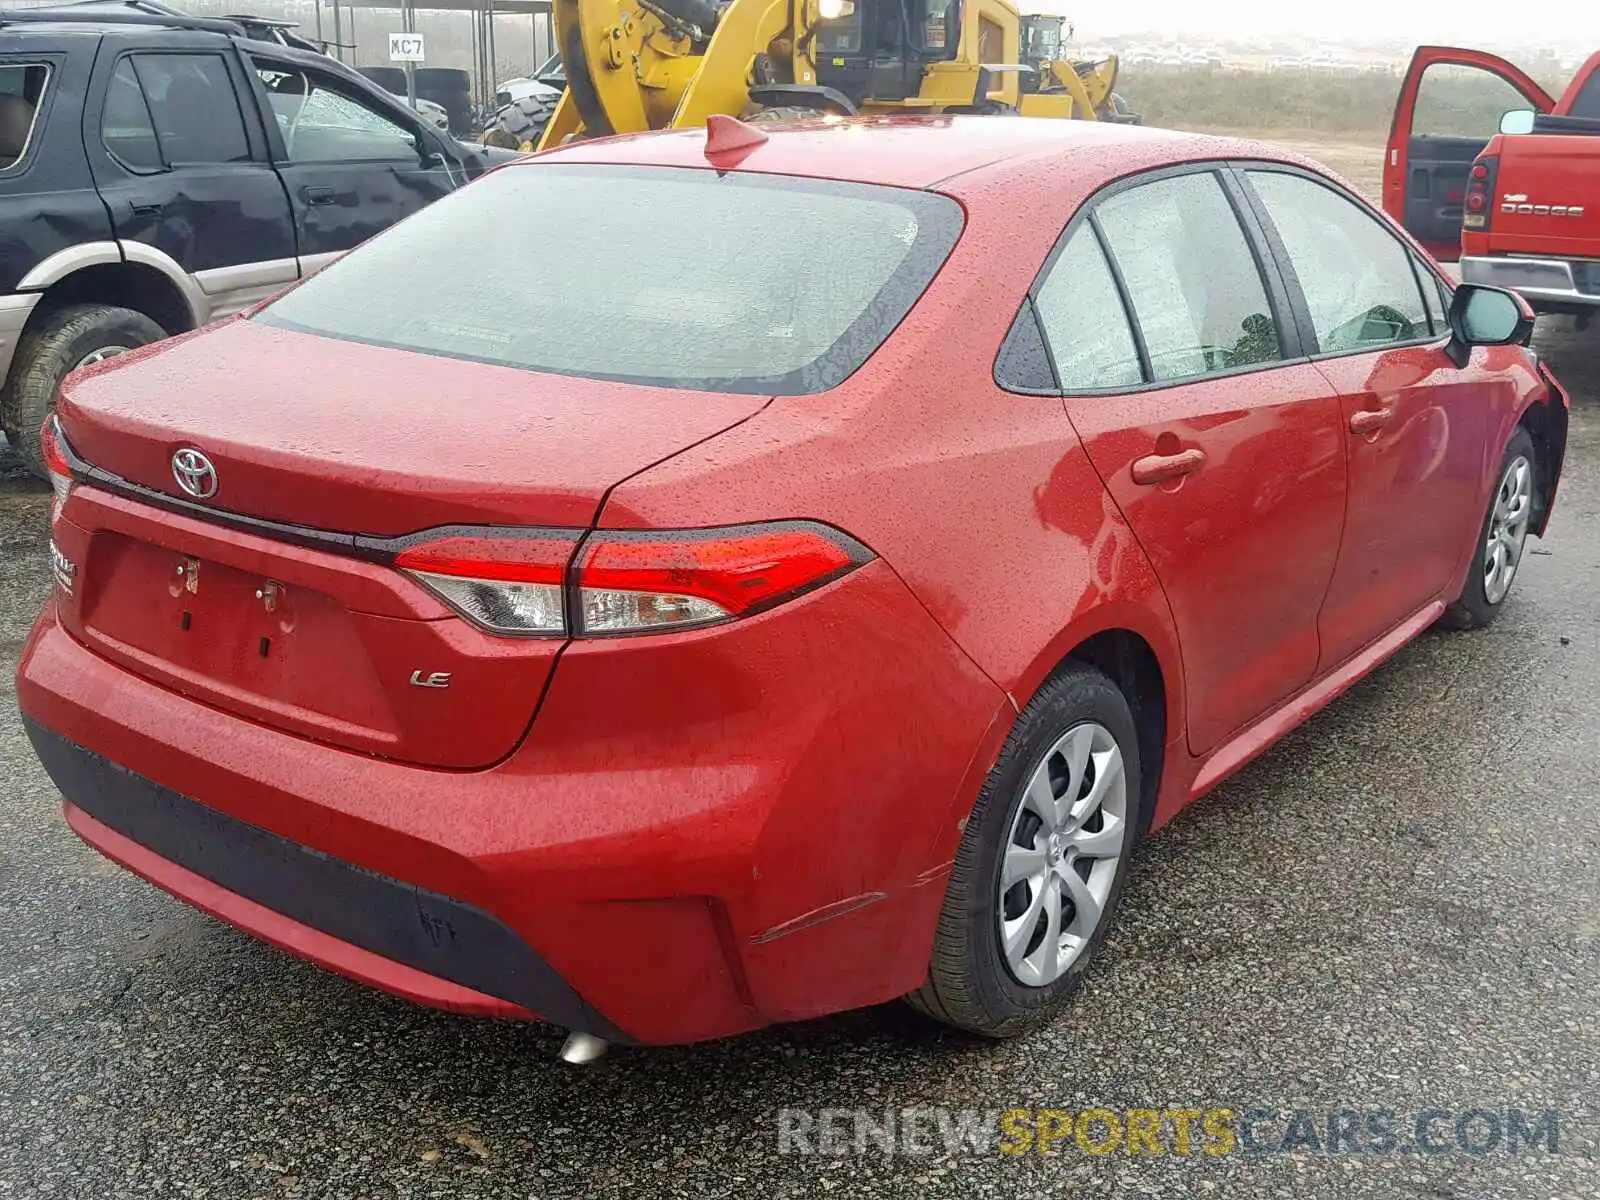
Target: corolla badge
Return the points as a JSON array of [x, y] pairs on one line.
[[195, 474]]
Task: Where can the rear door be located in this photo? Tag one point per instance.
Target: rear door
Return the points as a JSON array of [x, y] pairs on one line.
[[183, 170], [1450, 105], [353, 164], [1225, 456]]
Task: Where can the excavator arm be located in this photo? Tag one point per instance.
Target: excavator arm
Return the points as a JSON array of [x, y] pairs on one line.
[[635, 65]]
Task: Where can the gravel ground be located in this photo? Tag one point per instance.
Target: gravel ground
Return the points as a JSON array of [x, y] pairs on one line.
[[1395, 909]]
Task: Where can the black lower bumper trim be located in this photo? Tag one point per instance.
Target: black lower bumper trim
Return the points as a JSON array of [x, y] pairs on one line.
[[435, 934]]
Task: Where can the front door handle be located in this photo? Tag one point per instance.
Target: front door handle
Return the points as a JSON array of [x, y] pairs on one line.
[[151, 209], [1370, 420], [319, 195], [1158, 468]]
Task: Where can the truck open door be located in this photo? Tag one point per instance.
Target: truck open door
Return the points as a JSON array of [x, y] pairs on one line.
[[1432, 144]]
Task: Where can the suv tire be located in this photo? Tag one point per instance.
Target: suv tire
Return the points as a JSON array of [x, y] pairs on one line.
[[49, 350]]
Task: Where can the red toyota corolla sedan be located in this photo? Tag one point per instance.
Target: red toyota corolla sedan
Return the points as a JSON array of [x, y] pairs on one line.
[[688, 582]]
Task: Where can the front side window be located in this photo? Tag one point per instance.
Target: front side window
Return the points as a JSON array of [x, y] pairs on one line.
[[1196, 292], [1083, 319], [1456, 100], [1357, 276], [322, 124], [22, 88], [190, 103], [711, 314]]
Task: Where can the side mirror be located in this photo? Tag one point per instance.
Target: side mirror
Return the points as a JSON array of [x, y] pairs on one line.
[[1518, 120], [1487, 316]]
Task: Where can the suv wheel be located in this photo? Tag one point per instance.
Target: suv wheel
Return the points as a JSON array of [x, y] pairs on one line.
[[1041, 864], [75, 336]]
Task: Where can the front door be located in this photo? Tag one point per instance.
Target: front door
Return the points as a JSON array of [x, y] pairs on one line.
[[1226, 460], [185, 176], [352, 167], [1450, 106], [1414, 425]]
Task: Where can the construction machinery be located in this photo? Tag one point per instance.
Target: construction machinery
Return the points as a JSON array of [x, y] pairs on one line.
[[635, 65]]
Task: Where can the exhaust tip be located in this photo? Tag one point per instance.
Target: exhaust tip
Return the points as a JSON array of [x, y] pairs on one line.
[[581, 1049]]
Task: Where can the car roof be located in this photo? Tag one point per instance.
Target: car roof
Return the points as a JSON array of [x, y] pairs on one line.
[[924, 152]]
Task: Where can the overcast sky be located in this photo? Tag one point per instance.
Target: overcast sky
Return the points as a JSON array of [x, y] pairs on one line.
[[1476, 22]]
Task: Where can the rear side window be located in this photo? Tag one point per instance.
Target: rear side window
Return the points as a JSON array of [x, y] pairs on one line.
[[22, 89], [1084, 321], [1357, 277], [1587, 101], [173, 110], [1196, 292], [748, 283]]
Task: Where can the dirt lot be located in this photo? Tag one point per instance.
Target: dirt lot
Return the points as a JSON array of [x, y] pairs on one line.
[[1358, 160]]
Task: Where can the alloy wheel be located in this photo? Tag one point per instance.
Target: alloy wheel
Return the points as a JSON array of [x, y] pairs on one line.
[[1508, 529], [1061, 858]]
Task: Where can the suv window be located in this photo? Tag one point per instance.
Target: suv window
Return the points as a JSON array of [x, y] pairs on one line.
[[322, 124], [1196, 291], [1357, 277], [1083, 319], [167, 110], [797, 318], [21, 97], [126, 127]]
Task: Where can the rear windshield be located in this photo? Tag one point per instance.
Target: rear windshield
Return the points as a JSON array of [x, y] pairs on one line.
[[660, 275]]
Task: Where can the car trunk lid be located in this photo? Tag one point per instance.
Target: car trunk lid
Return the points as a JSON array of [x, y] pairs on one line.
[[273, 598]]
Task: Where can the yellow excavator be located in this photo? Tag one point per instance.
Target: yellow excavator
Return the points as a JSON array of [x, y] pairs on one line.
[[635, 65]]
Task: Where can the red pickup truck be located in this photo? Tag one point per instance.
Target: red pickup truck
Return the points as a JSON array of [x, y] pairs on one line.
[[1519, 208]]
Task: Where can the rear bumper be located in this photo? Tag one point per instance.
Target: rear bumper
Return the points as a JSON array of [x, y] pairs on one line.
[[702, 833], [393, 935], [14, 313], [1543, 282]]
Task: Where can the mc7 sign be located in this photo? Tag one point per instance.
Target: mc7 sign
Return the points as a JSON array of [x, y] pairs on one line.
[[405, 47]]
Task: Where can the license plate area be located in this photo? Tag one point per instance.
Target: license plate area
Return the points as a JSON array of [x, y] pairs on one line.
[[244, 640]]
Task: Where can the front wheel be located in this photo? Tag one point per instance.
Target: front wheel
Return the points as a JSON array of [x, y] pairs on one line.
[[1501, 539], [1041, 863]]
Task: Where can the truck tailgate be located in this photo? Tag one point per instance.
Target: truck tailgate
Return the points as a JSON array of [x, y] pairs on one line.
[[1547, 201]]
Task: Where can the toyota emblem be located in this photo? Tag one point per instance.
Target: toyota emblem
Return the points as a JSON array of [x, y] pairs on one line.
[[195, 474]]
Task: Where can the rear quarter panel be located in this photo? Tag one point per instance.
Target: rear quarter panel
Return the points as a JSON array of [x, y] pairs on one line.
[[983, 501], [48, 202]]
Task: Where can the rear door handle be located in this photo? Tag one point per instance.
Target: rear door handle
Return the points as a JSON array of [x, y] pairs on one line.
[[1370, 420], [1158, 468], [318, 195]]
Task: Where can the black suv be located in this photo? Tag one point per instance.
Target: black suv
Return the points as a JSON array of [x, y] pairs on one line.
[[160, 171]]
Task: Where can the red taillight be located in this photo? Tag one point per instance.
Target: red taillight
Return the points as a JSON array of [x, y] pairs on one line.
[[519, 582], [507, 581], [630, 582], [55, 463], [1478, 202]]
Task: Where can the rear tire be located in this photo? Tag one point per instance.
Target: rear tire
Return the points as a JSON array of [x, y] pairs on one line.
[[992, 972], [67, 338], [1502, 538], [525, 119]]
